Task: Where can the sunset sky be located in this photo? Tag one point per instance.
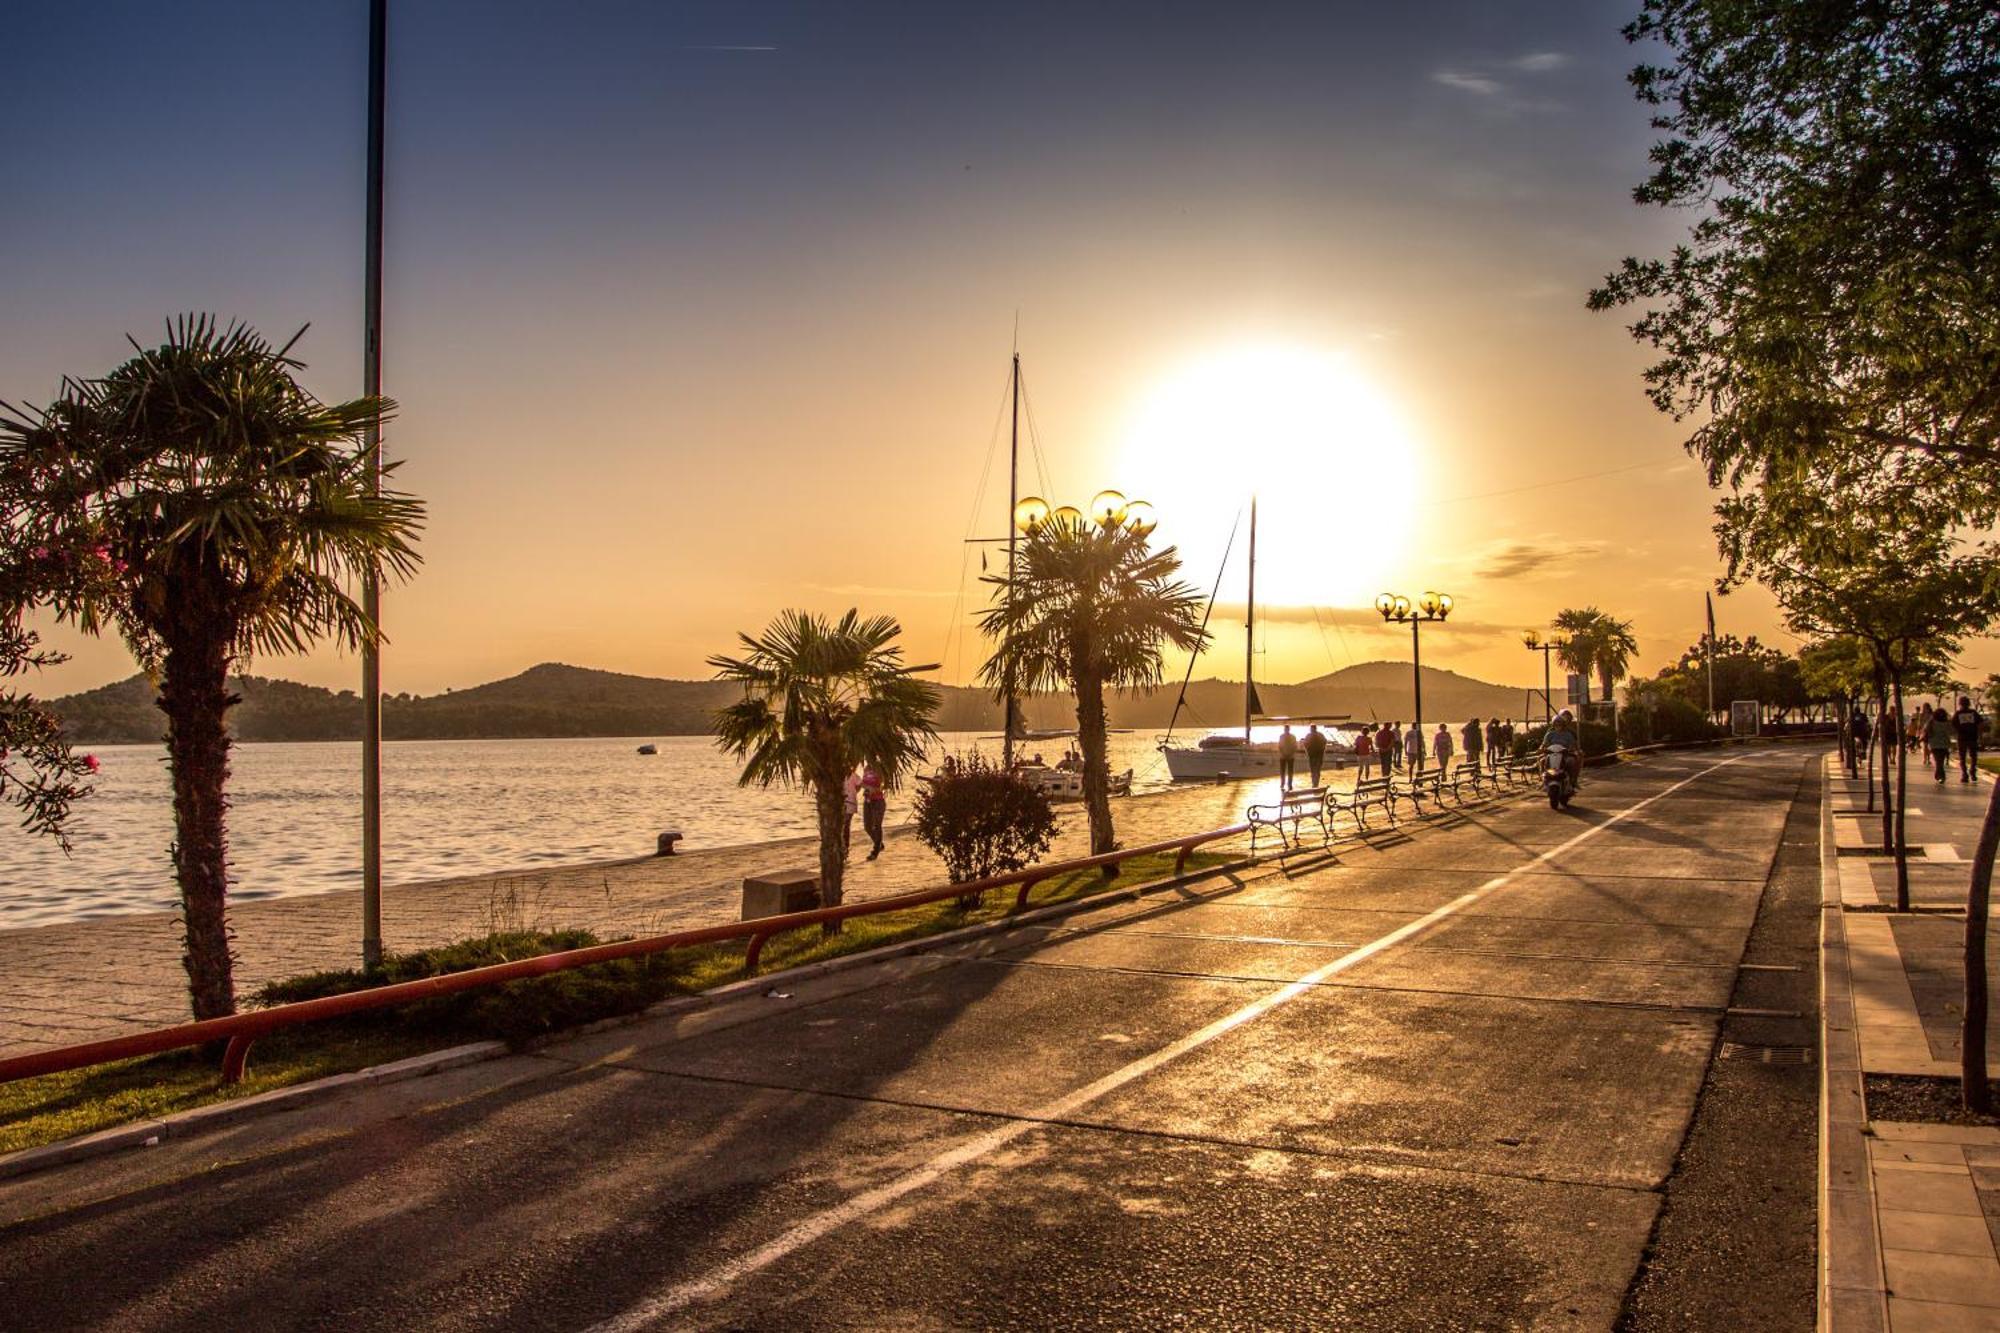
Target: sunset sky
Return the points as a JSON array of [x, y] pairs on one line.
[[701, 311]]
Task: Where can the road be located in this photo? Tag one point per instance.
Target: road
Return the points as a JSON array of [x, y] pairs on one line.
[[1430, 1081]]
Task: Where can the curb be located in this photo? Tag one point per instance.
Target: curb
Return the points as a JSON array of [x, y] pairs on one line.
[[1853, 1293]]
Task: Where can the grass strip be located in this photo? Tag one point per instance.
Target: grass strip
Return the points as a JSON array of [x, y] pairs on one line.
[[60, 1106]]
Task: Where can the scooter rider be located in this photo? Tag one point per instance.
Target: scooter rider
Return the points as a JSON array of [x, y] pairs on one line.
[[1563, 732]]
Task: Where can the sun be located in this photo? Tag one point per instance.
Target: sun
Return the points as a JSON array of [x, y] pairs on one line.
[[1332, 462]]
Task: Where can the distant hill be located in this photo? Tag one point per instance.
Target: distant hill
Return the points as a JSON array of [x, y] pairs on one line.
[[553, 700]]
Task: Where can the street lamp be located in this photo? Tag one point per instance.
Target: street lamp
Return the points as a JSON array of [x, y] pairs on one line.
[[1533, 641], [1397, 608]]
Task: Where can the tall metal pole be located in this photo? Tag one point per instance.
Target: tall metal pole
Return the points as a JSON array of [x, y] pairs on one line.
[[371, 588], [1250, 628], [1010, 709], [1548, 704], [1417, 674]]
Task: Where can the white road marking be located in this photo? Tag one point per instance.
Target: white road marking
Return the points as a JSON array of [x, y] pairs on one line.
[[720, 1278]]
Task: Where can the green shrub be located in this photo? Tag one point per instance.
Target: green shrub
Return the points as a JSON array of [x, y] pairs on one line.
[[982, 820], [1679, 720], [516, 1012]]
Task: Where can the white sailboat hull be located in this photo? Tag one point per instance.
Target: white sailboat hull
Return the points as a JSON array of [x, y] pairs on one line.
[[1209, 762]]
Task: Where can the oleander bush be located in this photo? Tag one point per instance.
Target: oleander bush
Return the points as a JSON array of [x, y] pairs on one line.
[[983, 820]]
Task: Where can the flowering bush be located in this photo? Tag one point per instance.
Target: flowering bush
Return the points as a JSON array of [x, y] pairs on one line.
[[982, 819]]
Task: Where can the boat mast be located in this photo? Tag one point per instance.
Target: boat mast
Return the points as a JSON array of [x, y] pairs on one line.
[[1250, 630], [1010, 708]]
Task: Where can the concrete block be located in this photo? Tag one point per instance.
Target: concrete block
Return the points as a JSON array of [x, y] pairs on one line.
[[776, 892]]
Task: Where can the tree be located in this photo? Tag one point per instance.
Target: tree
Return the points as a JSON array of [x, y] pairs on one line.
[[1615, 648], [1843, 667], [821, 699], [1583, 640], [39, 774], [1837, 304], [1090, 607], [231, 510]]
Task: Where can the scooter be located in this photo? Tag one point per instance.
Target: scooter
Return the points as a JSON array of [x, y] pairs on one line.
[[1556, 777]]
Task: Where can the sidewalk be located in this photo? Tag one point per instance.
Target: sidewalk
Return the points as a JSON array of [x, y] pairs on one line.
[[86, 980], [1910, 1213]]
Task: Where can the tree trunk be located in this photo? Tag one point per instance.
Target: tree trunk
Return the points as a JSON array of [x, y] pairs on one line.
[[1090, 736], [830, 804], [1975, 1090], [194, 694], [1875, 739], [1902, 798]]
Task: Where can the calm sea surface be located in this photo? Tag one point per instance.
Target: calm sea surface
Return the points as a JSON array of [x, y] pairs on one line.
[[448, 808]]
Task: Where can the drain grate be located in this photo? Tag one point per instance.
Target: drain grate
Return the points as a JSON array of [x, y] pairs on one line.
[[1767, 1055]]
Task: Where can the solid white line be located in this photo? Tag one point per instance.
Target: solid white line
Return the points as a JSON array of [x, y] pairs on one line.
[[724, 1275]]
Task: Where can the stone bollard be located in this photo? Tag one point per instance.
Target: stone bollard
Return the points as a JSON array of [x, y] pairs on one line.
[[667, 841]]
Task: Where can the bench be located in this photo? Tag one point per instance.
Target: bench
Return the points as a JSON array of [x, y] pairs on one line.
[[1293, 807], [1367, 792], [1464, 778], [1425, 786]]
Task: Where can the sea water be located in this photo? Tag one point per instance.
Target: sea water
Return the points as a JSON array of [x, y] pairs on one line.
[[448, 808]]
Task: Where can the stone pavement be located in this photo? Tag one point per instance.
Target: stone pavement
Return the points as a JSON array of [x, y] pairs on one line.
[[87, 980], [1910, 1213]]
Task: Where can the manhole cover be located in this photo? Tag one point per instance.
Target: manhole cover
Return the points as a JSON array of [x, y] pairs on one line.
[[1767, 1055]]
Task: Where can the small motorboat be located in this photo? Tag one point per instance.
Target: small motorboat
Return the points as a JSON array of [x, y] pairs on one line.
[[1066, 784], [649, 748]]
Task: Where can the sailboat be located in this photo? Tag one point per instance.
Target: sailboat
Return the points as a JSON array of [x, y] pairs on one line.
[[1252, 752]]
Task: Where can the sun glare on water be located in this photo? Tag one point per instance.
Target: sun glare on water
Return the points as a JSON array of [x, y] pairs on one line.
[[1333, 465]]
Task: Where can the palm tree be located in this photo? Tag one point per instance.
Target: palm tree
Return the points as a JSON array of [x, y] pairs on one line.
[[230, 510], [1583, 635], [819, 700], [1088, 608], [1615, 647]]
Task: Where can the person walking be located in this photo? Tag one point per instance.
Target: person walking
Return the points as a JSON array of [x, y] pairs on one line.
[[1493, 741], [874, 805], [1474, 744], [1441, 749], [1858, 735], [1389, 745], [1413, 750], [1937, 735], [1315, 752], [1967, 722], [1364, 754], [1288, 758], [850, 796]]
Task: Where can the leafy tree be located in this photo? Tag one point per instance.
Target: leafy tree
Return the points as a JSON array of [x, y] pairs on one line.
[[982, 819], [39, 774], [233, 510], [1836, 307], [820, 699], [1091, 607]]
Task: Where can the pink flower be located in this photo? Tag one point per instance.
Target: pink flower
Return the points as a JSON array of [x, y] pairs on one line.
[[90, 762]]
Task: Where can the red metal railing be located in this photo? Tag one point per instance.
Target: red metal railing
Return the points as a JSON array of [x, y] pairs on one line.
[[240, 1030]]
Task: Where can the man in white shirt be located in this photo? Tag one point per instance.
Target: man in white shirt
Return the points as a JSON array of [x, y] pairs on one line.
[[1413, 749]]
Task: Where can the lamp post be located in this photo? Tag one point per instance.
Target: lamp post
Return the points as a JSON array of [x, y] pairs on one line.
[[1533, 641], [1398, 609], [1109, 510]]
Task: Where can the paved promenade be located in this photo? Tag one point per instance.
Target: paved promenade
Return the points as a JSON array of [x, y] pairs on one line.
[[92, 979], [1434, 1080], [1911, 1214]]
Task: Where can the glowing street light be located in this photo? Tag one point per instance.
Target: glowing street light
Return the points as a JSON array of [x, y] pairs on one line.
[[1533, 641], [1396, 608]]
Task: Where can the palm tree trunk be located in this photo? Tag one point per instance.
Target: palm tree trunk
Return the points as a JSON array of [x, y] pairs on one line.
[[1902, 798], [194, 694], [1090, 736], [1974, 1089], [830, 804]]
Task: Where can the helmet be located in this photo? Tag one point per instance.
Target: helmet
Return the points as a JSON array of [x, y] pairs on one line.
[[1564, 716]]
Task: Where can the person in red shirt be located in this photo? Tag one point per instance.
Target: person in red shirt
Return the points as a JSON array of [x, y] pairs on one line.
[[1388, 743], [1364, 753], [874, 804]]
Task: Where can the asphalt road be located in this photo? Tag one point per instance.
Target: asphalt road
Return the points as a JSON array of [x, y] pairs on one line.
[[1432, 1081]]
